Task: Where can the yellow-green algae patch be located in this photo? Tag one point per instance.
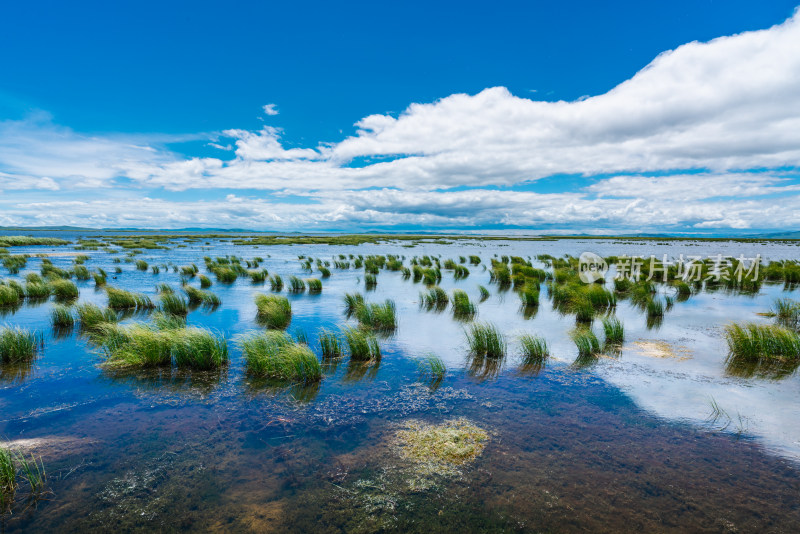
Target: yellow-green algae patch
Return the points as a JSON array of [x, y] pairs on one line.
[[443, 448]]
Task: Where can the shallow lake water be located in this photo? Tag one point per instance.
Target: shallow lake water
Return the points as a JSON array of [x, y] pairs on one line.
[[659, 437]]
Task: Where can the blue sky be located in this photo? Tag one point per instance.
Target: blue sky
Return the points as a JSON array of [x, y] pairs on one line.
[[521, 115]]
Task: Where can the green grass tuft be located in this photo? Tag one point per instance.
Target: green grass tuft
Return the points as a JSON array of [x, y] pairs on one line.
[[363, 345], [485, 340], [61, 316], [534, 349], [64, 290], [614, 331], [119, 299], [275, 355], [19, 345], [274, 311]]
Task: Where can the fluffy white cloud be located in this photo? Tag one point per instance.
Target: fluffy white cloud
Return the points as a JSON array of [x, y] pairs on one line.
[[683, 136]]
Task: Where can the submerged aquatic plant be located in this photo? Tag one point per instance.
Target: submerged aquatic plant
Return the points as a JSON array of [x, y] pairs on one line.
[[275, 355], [274, 311], [485, 340], [18, 344], [440, 449]]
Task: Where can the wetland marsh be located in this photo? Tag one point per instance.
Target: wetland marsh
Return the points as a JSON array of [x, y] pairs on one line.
[[245, 383]]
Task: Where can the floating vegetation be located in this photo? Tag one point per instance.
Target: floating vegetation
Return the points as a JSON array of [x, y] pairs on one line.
[[463, 309], [274, 311], [363, 345], [91, 316], [440, 449], [201, 297], [485, 340], [61, 316], [614, 331], [275, 355], [119, 299], [64, 290], [19, 345]]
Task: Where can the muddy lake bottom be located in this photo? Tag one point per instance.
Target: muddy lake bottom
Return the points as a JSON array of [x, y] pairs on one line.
[[630, 443]]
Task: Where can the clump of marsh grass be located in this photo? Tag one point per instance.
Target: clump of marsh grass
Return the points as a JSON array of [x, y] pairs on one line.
[[64, 290], [463, 309], [753, 342], [485, 340], [173, 304], [99, 279], [381, 317], [296, 285], [164, 289], [119, 299], [275, 355], [432, 370], [314, 285], [276, 282], [534, 350], [587, 343], [9, 297], [201, 297], [141, 265], [81, 272], [274, 311], [198, 348], [370, 281], [258, 277], [14, 466], [363, 345], [484, 293], [330, 344], [90, 316], [529, 295], [435, 298], [19, 345], [61, 316], [614, 331], [37, 290], [787, 313], [205, 282], [352, 301]]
